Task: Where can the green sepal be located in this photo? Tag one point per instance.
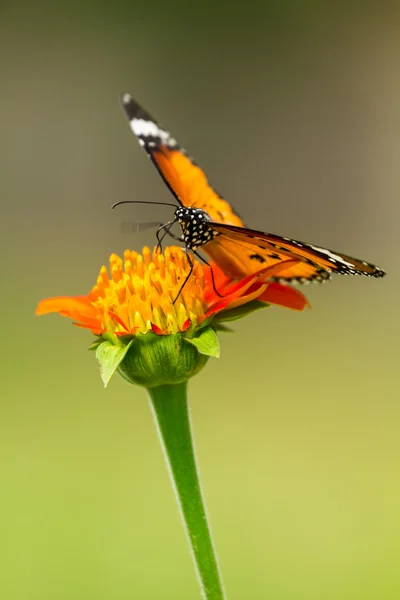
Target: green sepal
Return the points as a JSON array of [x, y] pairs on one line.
[[223, 328], [240, 311], [193, 331], [94, 345], [206, 342], [109, 357]]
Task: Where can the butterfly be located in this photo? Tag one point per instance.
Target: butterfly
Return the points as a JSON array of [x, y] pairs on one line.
[[210, 223]]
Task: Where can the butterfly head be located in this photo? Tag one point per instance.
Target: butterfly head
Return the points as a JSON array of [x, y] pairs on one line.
[[195, 226]]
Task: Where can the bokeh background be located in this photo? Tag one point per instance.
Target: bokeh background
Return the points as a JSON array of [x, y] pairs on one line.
[[293, 110]]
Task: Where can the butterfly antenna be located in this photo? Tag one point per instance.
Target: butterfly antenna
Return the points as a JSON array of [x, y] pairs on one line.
[[143, 202]]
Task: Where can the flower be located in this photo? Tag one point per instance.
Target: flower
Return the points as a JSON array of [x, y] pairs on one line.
[[137, 296], [143, 294]]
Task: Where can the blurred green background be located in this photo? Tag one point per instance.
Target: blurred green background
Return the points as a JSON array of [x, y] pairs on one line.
[[293, 110]]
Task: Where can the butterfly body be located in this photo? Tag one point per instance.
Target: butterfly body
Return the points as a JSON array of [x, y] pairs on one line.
[[210, 223], [195, 227]]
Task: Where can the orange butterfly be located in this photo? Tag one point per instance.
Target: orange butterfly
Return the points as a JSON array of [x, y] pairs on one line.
[[209, 222]]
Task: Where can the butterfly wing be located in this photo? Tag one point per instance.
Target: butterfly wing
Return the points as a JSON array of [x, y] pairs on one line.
[[237, 250], [186, 180], [240, 251]]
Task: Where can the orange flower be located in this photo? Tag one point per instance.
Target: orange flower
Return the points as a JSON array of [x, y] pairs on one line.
[[136, 295]]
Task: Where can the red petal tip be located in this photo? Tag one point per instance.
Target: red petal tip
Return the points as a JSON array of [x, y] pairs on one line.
[[186, 325], [156, 329]]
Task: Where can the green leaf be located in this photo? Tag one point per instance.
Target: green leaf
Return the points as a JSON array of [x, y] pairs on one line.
[[206, 342], [239, 312], [109, 356]]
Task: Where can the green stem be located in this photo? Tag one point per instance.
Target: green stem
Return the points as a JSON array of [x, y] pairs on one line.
[[171, 413]]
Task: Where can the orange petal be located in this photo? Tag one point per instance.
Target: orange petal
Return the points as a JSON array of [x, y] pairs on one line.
[[244, 290], [235, 289], [284, 295], [94, 327], [118, 319], [66, 305], [235, 300], [78, 308], [221, 280], [260, 276]]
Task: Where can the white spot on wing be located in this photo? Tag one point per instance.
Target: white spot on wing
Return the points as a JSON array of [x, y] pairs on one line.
[[332, 256], [143, 129]]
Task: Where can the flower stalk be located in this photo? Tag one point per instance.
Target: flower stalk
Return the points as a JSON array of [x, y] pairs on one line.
[[172, 417]]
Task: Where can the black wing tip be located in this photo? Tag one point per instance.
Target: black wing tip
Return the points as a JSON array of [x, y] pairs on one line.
[[125, 98], [132, 109], [379, 272], [371, 271]]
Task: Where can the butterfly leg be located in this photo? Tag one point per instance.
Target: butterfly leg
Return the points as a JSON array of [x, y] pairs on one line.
[[167, 227], [212, 272], [177, 238], [174, 237], [187, 276]]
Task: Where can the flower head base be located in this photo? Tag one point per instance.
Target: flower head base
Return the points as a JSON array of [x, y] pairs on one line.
[[132, 306]]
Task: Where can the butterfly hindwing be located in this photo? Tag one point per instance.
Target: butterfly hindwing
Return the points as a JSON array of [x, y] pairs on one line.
[[186, 180]]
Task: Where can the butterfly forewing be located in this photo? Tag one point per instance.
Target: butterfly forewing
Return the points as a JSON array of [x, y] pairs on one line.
[[245, 251], [186, 180]]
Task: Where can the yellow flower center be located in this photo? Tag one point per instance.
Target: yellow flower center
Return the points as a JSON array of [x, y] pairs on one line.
[[140, 290]]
